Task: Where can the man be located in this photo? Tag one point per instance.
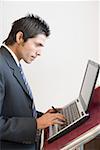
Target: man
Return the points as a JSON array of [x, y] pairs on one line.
[[20, 123]]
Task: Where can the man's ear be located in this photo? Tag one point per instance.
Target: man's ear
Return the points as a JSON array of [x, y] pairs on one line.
[[19, 38]]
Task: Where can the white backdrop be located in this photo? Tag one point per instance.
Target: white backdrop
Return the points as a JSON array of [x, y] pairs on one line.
[[56, 77]]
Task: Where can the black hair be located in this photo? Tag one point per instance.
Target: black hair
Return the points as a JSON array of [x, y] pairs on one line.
[[30, 26]]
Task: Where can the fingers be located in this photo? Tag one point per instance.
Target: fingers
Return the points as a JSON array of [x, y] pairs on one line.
[[50, 119], [59, 116], [57, 119]]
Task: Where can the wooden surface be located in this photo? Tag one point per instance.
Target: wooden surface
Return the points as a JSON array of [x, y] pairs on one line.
[[93, 145]]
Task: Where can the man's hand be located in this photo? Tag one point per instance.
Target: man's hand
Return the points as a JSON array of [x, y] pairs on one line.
[[50, 119]]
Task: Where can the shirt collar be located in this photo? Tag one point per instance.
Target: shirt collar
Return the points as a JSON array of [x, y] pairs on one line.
[[12, 53]]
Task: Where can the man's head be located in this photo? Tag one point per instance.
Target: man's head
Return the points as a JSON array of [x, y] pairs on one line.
[[30, 26], [27, 37]]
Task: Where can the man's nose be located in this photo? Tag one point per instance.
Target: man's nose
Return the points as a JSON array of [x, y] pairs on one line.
[[39, 52]]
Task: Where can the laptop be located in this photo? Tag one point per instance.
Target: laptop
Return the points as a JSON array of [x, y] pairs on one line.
[[77, 111]]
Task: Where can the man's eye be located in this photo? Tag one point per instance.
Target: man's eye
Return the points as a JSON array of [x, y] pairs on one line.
[[39, 45]]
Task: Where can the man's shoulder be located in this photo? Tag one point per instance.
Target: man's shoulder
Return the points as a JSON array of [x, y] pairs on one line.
[[2, 61]]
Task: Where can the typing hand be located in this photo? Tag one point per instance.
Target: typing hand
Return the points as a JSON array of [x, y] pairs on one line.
[[50, 119]]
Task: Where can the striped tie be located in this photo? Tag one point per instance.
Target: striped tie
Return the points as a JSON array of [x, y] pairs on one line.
[[28, 89]]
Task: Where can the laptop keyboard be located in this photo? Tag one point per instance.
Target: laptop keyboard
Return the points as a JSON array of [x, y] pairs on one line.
[[71, 113]]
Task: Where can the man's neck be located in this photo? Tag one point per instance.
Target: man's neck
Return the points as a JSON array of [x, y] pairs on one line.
[[12, 50]]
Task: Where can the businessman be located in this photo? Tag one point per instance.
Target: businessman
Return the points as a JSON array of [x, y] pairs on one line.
[[20, 122]]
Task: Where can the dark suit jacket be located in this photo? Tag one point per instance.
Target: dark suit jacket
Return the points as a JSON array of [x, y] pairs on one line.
[[17, 125]]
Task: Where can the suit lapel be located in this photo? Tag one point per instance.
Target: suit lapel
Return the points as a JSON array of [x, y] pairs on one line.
[[19, 78], [14, 68]]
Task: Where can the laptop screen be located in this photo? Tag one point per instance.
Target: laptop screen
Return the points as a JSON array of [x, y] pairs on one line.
[[88, 84]]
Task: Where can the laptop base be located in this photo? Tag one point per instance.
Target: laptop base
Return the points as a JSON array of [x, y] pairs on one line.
[[68, 129]]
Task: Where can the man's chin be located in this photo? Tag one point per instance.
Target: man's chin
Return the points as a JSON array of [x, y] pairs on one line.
[[28, 62]]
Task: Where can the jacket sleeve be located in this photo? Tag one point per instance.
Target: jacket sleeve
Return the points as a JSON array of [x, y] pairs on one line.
[[39, 114], [15, 129]]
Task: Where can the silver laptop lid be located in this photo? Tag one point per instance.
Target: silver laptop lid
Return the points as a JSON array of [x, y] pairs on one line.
[[88, 83]]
